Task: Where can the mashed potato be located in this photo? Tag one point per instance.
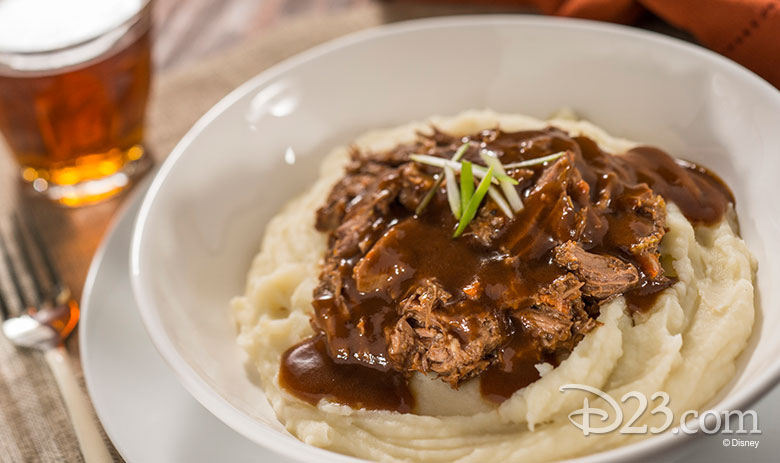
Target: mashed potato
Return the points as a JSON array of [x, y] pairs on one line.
[[686, 345]]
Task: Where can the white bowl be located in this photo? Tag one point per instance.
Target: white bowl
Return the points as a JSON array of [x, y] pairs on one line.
[[203, 217]]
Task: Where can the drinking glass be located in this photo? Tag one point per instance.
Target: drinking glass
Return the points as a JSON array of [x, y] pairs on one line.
[[74, 84]]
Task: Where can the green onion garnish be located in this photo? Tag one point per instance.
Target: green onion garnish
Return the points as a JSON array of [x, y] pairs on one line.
[[466, 184], [429, 196], [461, 151], [509, 190], [439, 178], [495, 195], [476, 199], [465, 202], [477, 170], [534, 162], [453, 195]]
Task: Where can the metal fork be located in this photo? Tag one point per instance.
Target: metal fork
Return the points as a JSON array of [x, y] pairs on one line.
[[43, 322]]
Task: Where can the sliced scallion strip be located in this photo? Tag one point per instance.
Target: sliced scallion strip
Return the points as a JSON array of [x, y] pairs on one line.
[[439, 178], [466, 184], [429, 196], [478, 171], [509, 190], [461, 151], [476, 199], [495, 195], [453, 195], [534, 162]]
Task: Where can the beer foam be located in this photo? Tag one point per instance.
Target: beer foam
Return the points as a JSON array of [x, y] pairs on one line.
[[28, 26]]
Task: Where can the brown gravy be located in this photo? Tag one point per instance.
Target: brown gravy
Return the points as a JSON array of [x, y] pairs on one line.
[[311, 374], [349, 362], [515, 369]]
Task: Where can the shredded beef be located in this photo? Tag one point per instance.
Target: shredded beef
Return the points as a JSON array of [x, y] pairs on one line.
[[602, 276], [423, 339], [397, 292]]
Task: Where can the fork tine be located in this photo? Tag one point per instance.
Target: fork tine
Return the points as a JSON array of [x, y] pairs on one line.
[[12, 273], [24, 250], [51, 269]]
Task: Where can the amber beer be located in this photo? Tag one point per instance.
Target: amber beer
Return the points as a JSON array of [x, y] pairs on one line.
[[73, 115]]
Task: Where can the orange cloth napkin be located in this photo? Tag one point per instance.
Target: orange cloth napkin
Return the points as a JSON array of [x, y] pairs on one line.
[[747, 31]]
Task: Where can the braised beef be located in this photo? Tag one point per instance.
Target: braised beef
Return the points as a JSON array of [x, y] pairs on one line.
[[365, 215], [426, 337], [415, 184], [397, 294], [602, 275], [488, 225], [557, 321]]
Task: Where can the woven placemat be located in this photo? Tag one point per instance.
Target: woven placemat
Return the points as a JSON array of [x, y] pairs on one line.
[[34, 425]]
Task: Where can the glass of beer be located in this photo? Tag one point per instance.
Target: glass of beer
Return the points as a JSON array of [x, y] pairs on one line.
[[74, 83]]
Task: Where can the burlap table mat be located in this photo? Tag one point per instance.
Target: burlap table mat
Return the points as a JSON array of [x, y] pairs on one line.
[[34, 425]]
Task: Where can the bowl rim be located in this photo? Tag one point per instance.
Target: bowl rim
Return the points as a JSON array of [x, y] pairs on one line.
[[290, 446]]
